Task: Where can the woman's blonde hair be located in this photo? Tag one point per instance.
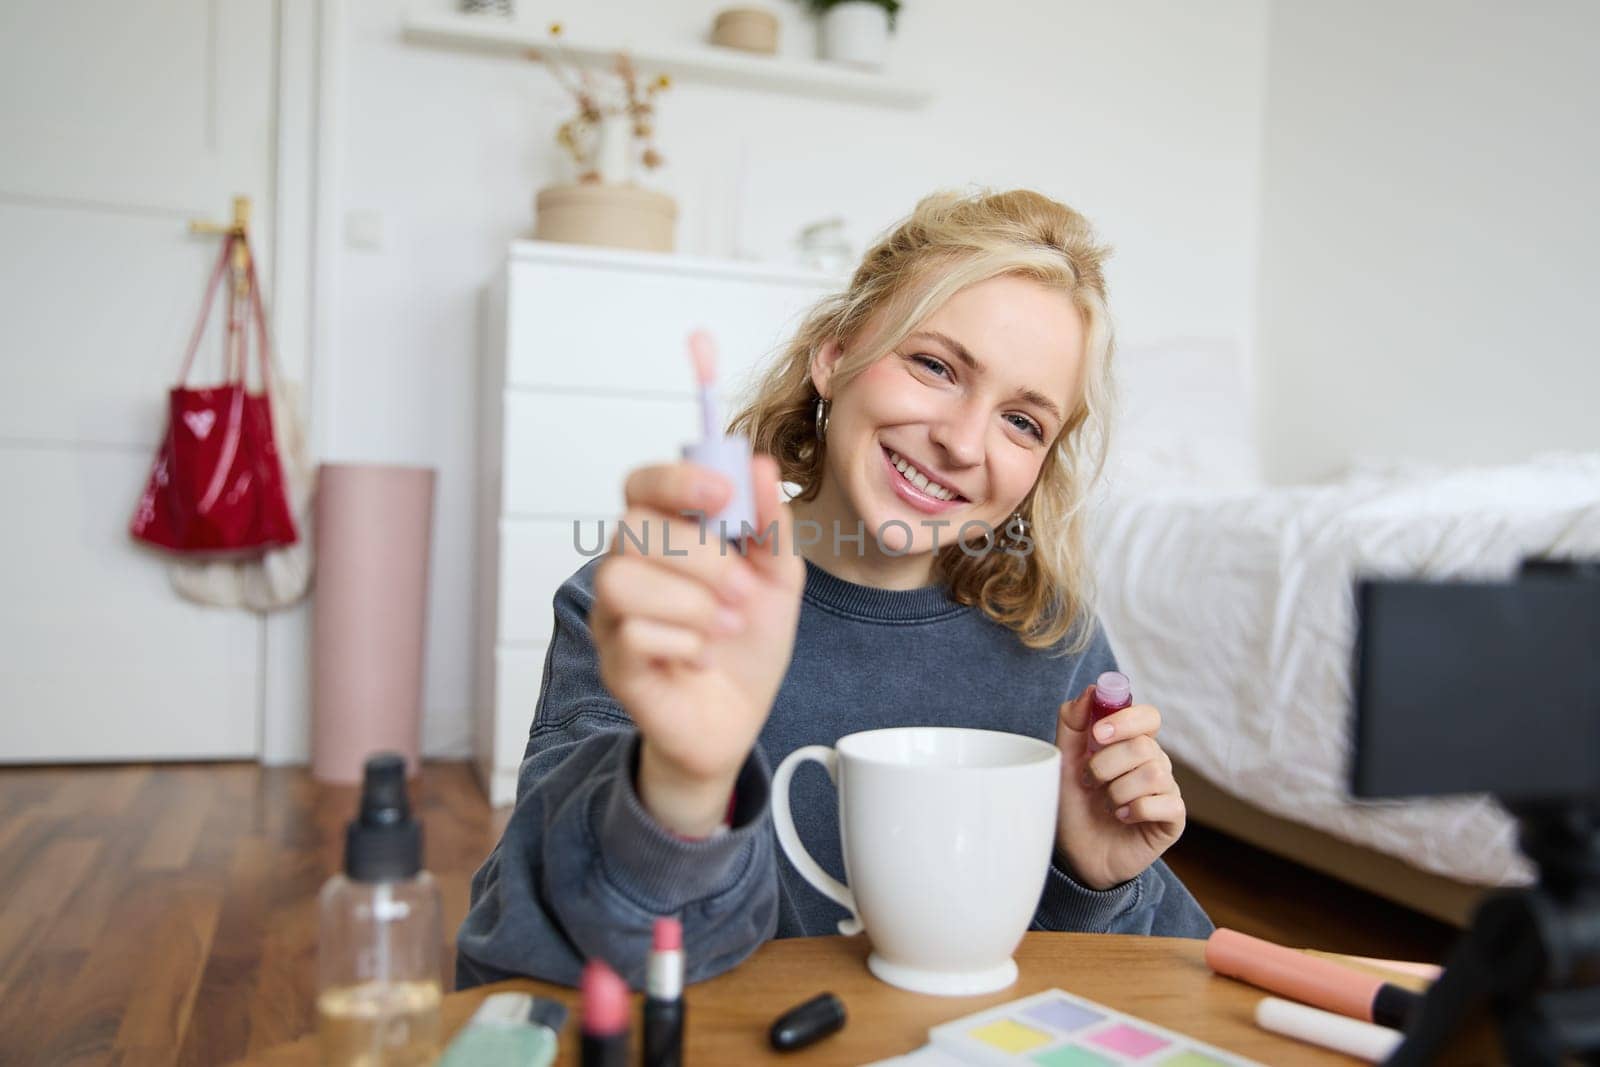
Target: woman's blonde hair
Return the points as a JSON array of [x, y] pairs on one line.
[[950, 241]]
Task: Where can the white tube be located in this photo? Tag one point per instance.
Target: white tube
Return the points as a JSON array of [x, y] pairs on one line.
[[382, 912], [383, 995], [1366, 1041]]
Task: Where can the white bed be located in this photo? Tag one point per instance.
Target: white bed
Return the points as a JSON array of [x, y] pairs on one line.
[[1231, 606]]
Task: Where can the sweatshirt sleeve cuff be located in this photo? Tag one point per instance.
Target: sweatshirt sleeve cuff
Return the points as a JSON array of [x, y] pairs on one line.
[[1069, 905], [661, 871]]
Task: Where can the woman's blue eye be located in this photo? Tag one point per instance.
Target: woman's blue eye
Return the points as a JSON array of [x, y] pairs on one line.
[[1023, 423], [1027, 425]]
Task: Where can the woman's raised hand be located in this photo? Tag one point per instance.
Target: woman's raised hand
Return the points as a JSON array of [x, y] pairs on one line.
[[695, 638]]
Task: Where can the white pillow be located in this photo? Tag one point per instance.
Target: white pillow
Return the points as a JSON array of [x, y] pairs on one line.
[[1185, 420]]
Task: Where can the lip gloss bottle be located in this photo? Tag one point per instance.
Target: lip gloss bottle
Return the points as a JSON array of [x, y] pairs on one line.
[[1112, 692], [728, 456]]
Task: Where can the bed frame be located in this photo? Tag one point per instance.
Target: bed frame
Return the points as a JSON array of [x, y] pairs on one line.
[[1377, 872]]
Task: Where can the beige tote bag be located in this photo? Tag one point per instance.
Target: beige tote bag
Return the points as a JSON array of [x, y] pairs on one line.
[[280, 577]]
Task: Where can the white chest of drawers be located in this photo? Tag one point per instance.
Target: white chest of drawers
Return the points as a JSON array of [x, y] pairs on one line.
[[586, 375]]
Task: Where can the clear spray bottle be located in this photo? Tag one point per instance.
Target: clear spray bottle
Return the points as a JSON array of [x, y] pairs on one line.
[[379, 936]]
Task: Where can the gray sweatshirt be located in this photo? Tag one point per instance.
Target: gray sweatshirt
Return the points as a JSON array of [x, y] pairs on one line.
[[582, 870]]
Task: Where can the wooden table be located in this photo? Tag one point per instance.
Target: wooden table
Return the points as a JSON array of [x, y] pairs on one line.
[[1164, 980]]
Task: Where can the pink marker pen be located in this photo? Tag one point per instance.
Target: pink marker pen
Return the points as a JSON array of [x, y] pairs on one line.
[[728, 456], [1112, 692]]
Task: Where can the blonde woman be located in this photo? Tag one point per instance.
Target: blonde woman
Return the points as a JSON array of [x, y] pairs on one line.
[[943, 418]]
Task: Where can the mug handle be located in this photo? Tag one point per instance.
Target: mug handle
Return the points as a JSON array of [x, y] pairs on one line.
[[783, 822]]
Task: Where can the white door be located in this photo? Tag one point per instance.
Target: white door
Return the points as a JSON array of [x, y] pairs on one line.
[[119, 122]]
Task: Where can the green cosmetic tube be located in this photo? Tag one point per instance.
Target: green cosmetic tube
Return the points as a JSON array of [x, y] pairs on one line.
[[508, 1030]]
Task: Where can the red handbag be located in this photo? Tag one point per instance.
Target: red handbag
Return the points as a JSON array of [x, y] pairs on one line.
[[216, 486]]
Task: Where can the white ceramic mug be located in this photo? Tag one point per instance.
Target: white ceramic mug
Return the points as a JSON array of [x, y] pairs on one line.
[[947, 835]]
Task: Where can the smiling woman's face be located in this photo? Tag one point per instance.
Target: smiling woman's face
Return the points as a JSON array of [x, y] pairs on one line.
[[972, 400]]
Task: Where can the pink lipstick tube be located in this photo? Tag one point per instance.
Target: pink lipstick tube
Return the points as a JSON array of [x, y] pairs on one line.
[[605, 1017], [663, 1004]]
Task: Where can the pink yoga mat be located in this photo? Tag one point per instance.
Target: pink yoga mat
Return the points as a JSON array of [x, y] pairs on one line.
[[372, 526]]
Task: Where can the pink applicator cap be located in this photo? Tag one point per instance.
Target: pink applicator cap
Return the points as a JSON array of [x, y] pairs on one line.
[[728, 456], [1114, 690]]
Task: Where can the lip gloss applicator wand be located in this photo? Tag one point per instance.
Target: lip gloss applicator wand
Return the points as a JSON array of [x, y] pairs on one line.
[[728, 456]]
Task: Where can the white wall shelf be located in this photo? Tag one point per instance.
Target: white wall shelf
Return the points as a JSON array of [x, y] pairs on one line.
[[703, 63]]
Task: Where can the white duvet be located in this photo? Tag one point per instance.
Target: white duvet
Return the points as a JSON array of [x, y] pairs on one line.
[[1234, 613]]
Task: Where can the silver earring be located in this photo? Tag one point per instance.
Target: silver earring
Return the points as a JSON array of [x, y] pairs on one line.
[[1016, 529], [822, 418]]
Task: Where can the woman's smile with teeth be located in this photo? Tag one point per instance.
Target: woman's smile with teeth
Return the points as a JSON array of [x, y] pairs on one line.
[[920, 480]]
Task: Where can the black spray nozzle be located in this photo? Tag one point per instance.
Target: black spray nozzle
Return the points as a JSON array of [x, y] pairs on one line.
[[383, 843], [383, 790]]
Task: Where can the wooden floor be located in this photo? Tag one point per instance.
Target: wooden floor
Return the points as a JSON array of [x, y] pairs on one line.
[[167, 914]]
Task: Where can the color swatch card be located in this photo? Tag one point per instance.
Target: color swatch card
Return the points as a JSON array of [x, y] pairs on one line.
[[1056, 1029]]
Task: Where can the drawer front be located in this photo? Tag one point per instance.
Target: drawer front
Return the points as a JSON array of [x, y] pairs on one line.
[[581, 328], [568, 455], [537, 555]]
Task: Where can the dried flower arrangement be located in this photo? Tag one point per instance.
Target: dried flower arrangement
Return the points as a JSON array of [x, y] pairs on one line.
[[614, 94]]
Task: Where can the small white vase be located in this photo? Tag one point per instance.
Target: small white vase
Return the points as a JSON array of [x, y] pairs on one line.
[[856, 33], [612, 142]]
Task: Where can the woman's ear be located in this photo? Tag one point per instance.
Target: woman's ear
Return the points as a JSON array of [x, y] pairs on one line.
[[822, 364]]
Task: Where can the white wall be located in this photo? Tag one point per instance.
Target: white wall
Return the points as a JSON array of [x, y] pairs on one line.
[[1428, 266], [1145, 115]]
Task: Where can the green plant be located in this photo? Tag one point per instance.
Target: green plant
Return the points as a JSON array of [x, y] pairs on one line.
[[819, 7]]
